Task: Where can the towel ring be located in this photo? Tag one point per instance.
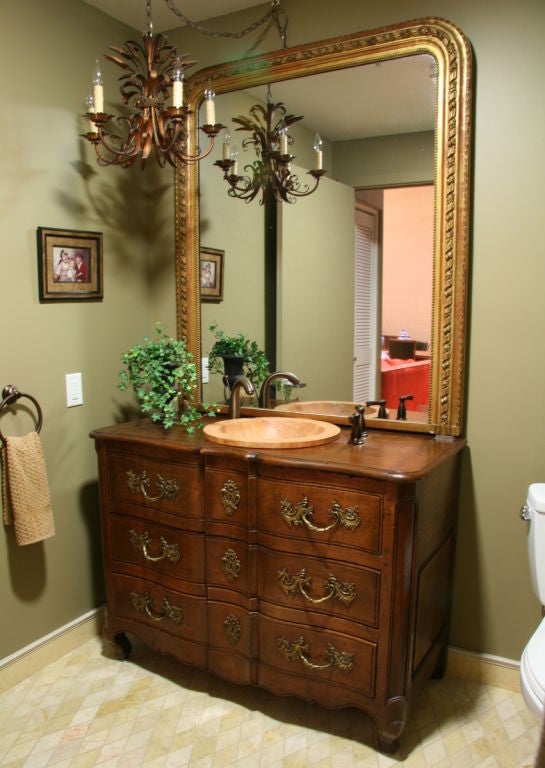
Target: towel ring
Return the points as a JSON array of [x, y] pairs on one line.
[[10, 395]]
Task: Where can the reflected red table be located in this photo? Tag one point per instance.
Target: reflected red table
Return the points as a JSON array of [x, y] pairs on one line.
[[405, 377]]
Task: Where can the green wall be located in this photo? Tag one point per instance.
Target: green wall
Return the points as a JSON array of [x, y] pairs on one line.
[[48, 177]]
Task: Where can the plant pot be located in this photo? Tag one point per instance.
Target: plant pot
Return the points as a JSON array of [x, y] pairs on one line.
[[233, 368]]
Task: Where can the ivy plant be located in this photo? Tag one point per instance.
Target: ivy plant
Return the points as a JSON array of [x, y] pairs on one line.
[[163, 376]]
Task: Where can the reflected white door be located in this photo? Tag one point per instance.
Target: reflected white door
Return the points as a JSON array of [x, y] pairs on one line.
[[366, 305]]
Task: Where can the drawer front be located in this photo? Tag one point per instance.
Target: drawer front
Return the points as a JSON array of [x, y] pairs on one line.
[[230, 642], [312, 661], [226, 496], [158, 548], [319, 587], [166, 610], [159, 486], [227, 564], [314, 513]]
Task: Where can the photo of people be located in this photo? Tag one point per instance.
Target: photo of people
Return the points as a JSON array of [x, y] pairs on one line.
[[208, 274], [71, 265]]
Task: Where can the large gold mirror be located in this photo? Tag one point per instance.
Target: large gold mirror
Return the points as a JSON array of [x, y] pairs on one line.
[[433, 40]]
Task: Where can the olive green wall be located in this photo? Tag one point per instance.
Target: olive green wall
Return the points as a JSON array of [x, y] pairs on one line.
[[494, 609], [47, 178]]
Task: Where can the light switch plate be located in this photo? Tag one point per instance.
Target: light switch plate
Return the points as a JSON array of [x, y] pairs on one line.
[[205, 373], [74, 390]]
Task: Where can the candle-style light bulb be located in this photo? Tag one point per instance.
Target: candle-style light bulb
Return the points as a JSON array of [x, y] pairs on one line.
[[209, 108], [234, 157], [318, 154], [98, 88], [177, 78], [90, 104], [226, 145]]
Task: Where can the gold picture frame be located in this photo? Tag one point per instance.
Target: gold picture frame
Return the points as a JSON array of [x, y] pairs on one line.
[[69, 265], [211, 274]]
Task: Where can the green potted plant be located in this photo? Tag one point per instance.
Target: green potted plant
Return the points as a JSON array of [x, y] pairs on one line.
[[163, 376], [235, 356]]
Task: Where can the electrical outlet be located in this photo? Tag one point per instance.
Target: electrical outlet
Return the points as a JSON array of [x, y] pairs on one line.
[[205, 373], [74, 390]]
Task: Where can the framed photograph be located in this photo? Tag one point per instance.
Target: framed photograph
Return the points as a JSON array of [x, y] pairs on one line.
[[211, 274], [69, 265]]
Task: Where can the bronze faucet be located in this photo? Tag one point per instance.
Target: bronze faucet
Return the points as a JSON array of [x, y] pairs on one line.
[[234, 402], [265, 391]]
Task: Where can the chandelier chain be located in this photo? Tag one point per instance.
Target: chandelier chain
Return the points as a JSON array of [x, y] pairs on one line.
[[274, 13]]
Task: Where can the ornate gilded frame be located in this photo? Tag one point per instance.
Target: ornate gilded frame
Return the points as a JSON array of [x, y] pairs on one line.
[[453, 56]]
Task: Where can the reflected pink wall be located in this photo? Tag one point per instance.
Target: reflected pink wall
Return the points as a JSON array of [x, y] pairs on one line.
[[408, 261]]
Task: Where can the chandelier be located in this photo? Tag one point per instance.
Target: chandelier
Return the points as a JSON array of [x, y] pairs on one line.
[[271, 172], [152, 88]]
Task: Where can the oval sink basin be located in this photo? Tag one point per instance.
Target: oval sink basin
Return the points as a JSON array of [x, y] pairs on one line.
[[271, 432], [340, 408]]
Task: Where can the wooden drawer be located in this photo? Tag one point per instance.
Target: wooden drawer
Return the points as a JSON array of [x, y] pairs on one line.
[[227, 564], [314, 513], [226, 493], [149, 604], [151, 485], [318, 586], [157, 548], [316, 664], [230, 642]]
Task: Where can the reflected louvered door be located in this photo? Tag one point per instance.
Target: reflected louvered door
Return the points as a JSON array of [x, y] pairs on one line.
[[366, 305]]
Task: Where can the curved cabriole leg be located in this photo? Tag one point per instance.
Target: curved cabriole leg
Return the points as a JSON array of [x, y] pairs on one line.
[[124, 644], [391, 725]]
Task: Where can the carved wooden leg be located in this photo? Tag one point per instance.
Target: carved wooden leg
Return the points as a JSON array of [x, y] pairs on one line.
[[440, 665], [390, 726], [125, 645]]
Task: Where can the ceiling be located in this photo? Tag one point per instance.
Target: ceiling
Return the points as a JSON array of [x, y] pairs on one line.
[[391, 97], [133, 12]]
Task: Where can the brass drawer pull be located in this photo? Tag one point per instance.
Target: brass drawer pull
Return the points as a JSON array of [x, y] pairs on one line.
[[342, 591], [141, 542], [299, 650], [230, 497], [140, 483], [232, 628], [297, 514], [230, 565], [144, 604]]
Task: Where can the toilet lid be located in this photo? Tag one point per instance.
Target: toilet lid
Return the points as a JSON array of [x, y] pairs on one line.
[[533, 663]]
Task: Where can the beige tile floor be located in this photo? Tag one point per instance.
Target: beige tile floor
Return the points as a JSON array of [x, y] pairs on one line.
[[89, 710]]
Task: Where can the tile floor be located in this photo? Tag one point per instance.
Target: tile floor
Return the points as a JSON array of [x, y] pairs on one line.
[[89, 710]]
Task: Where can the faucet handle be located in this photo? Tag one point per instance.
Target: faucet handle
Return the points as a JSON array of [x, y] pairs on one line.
[[401, 410], [382, 412]]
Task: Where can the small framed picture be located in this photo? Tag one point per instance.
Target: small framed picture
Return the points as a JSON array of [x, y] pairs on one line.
[[211, 274], [69, 265]]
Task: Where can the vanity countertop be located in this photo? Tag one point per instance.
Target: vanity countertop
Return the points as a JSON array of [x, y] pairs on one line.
[[395, 456]]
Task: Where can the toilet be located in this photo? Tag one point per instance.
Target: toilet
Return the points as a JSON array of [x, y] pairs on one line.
[[532, 663]]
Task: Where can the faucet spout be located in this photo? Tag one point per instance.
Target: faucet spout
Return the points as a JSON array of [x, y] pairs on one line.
[[234, 402], [265, 391]]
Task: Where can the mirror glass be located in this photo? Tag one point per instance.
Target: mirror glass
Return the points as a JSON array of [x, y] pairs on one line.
[[380, 103]]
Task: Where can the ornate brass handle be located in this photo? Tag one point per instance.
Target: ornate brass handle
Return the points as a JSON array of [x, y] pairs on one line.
[[230, 565], [140, 483], [230, 497], [141, 542], [297, 514], [342, 591], [299, 650], [144, 604]]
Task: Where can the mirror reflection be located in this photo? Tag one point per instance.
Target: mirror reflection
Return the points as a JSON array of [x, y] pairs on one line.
[[355, 259], [297, 261]]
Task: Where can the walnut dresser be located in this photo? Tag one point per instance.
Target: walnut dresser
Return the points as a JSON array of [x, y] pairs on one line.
[[323, 573]]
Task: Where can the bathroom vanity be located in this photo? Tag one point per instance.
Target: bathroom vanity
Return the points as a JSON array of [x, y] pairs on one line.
[[323, 572]]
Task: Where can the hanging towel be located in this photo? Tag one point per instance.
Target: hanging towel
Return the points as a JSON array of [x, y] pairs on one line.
[[25, 491]]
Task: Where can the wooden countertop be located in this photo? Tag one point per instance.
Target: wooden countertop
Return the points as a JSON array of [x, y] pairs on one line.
[[394, 456]]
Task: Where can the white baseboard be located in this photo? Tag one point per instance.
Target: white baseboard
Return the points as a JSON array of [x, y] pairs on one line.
[[46, 649], [483, 668], [467, 665]]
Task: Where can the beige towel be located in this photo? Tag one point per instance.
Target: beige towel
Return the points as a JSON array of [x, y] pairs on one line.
[[25, 491]]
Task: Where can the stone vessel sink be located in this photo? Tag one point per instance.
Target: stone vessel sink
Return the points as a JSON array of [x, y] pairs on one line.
[[339, 408], [271, 432]]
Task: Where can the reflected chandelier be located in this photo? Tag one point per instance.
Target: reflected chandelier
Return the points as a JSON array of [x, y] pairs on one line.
[[152, 89], [271, 172]]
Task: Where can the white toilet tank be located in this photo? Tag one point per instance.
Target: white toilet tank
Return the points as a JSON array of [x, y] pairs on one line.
[[534, 512]]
